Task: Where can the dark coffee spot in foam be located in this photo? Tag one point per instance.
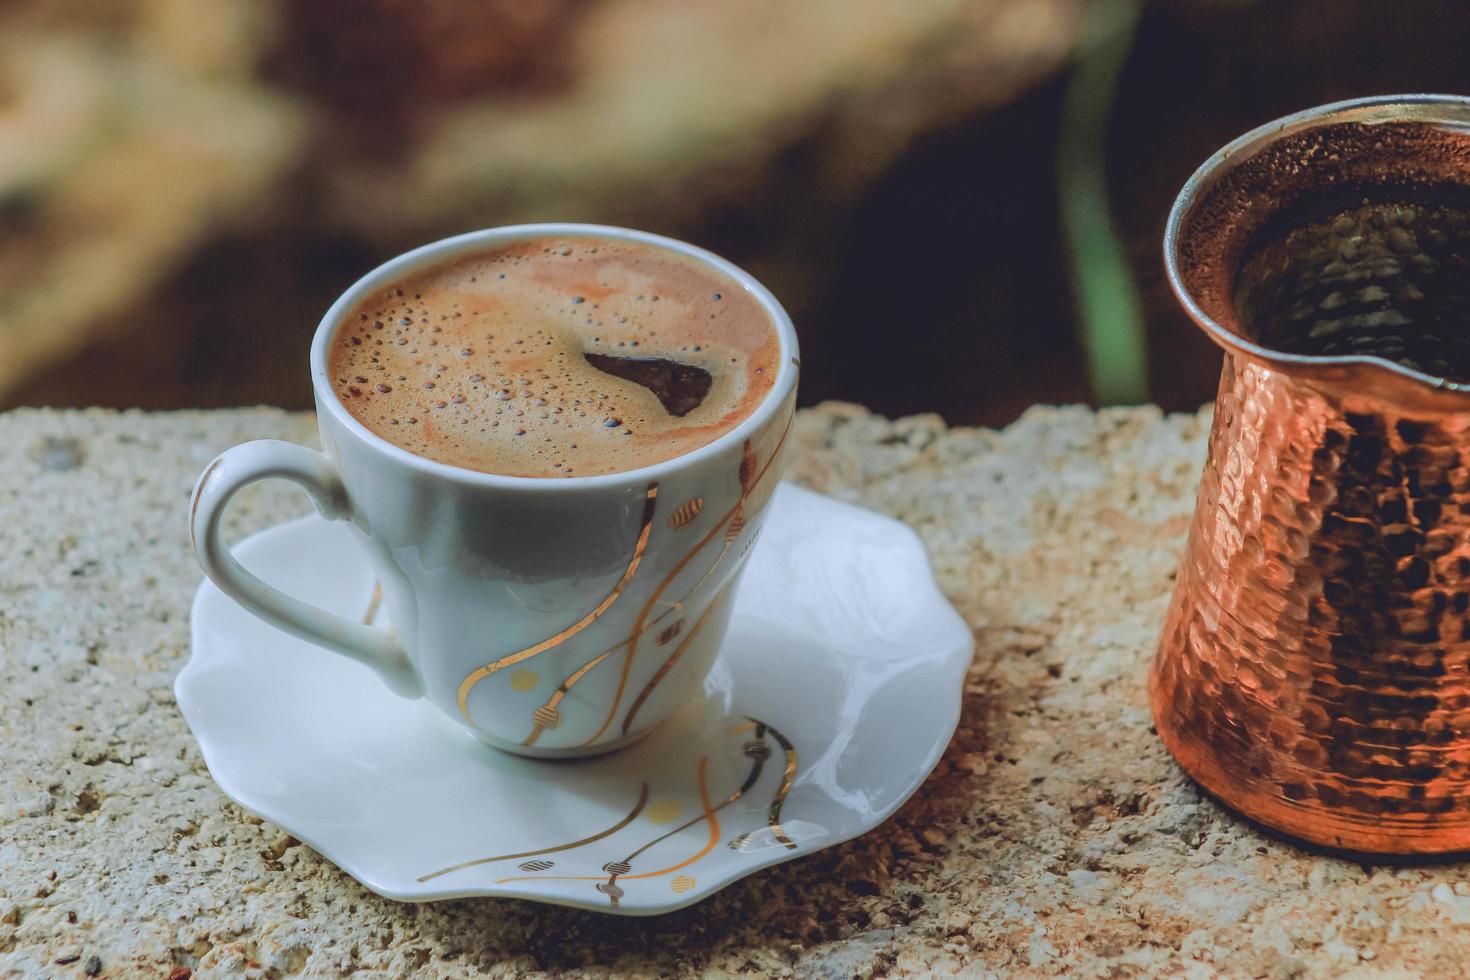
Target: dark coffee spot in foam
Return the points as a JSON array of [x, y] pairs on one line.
[[680, 388]]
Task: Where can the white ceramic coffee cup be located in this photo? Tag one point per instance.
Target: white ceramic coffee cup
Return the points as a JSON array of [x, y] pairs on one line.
[[550, 617]]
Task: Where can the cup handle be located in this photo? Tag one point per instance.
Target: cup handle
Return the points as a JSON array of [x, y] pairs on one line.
[[243, 465]]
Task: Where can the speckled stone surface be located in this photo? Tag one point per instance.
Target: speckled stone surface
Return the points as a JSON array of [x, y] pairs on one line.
[[1056, 837]]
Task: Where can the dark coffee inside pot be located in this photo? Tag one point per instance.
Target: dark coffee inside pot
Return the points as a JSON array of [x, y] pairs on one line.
[[1377, 270]]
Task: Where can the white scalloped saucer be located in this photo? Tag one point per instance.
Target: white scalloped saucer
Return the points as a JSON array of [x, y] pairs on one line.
[[833, 697]]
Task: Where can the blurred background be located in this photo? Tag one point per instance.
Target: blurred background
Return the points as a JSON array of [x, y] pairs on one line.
[[960, 202]]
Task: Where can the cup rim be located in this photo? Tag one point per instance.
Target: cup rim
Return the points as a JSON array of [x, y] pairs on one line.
[[401, 266], [1369, 109]]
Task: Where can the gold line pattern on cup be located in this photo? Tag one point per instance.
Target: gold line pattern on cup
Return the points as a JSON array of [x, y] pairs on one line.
[[668, 664], [551, 710], [686, 512], [650, 500], [586, 668], [736, 525], [748, 476], [748, 481], [668, 634], [565, 686], [373, 604], [632, 815]]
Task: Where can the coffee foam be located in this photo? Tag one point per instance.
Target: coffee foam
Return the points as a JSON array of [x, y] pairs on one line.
[[1338, 162], [480, 362]]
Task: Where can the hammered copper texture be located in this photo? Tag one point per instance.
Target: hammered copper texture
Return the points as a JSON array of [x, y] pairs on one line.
[[1314, 670]]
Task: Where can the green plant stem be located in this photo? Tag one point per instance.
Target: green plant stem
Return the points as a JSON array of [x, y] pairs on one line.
[[1108, 302]]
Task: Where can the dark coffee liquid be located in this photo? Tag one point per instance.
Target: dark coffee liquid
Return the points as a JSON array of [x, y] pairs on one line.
[[1378, 271]]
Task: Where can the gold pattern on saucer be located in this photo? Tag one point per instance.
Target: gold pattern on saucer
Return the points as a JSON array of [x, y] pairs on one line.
[[665, 811], [373, 604], [686, 512], [670, 633], [749, 481], [536, 865], [788, 777], [758, 751], [632, 815], [610, 887], [546, 716], [524, 680], [650, 499]]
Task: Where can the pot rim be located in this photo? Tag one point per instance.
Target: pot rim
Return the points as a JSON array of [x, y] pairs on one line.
[[1448, 110]]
